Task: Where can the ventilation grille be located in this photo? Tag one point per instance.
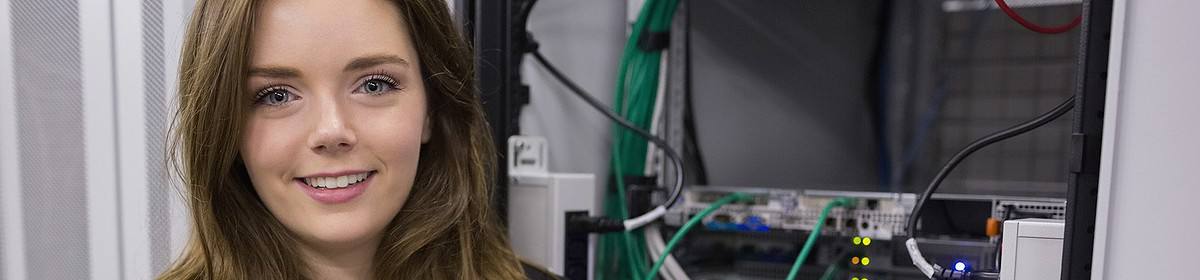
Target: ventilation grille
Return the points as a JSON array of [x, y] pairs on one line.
[[46, 65]]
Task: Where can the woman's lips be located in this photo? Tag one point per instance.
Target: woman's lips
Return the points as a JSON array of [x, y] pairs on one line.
[[333, 194]]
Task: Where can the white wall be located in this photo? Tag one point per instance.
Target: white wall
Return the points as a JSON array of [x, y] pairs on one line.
[[1149, 184]]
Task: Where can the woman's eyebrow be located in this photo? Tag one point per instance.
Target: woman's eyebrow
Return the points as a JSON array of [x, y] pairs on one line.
[[275, 72], [369, 61]]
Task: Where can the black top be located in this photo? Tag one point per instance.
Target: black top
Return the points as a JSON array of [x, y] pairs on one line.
[[533, 273]]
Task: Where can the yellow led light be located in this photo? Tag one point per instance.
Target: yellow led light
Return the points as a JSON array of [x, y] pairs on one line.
[[866, 261], [866, 241], [854, 260], [858, 240], [854, 278], [864, 279]]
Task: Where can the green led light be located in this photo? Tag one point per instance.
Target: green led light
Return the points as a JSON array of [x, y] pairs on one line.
[[866, 241], [866, 261], [858, 240], [854, 278]]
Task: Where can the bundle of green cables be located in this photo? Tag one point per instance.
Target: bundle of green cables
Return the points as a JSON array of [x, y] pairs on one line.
[[816, 232], [622, 255]]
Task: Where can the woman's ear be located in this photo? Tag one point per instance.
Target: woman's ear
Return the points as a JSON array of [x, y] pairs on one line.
[[426, 131]]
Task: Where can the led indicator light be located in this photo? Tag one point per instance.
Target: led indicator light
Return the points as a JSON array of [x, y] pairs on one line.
[[854, 260], [866, 261], [854, 278], [858, 240], [960, 266], [866, 241]]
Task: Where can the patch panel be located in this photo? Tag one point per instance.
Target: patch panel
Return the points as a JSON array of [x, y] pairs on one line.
[[878, 215]]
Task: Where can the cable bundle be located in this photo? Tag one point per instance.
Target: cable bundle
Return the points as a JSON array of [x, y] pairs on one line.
[[623, 255]]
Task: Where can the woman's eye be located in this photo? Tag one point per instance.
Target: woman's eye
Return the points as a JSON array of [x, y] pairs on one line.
[[274, 97], [377, 84]]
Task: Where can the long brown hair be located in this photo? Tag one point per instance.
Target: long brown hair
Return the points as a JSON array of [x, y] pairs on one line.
[[446, 229]]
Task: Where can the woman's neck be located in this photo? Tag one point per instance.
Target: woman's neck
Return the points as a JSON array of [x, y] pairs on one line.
[[341, 262]]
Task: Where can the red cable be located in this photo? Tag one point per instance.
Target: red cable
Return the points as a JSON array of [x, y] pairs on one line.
[[1033, 26]]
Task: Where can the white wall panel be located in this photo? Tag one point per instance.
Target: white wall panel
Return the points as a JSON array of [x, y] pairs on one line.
[[1148, 182]]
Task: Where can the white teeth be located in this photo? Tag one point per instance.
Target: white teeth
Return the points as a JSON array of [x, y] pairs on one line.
[[336, 182], [343, 181]]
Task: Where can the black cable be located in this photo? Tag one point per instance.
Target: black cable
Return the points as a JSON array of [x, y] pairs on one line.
[[523, 16], [1018, 129], [689, 113], [662, 144], [950, 274], [693, 145], [996, 254]]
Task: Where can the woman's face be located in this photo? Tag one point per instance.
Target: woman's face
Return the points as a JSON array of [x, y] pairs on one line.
[[338, 119]]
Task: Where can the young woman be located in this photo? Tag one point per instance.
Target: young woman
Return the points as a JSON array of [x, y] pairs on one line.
[[334, 140]]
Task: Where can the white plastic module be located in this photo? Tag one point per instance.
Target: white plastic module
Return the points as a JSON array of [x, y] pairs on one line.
[[1032, 249], [539, 204]]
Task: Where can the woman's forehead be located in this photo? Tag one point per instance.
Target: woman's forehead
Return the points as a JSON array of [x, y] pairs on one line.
[[310, 35]]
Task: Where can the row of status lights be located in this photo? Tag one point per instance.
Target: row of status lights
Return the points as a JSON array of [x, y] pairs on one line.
[[865, 261], [862, 240]]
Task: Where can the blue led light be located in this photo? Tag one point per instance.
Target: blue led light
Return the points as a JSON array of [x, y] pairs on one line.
[[960, 266]]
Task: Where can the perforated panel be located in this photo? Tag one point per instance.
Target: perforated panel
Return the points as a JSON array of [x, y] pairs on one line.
[[49, 101], [156, 129]]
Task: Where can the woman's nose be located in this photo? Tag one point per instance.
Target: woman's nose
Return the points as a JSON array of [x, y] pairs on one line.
[[331, 134]]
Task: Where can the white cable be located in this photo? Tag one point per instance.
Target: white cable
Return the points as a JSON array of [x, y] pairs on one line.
[[652, 151], [671, 269], [655, 244], [635, 223], [665, 273], [918, 259]]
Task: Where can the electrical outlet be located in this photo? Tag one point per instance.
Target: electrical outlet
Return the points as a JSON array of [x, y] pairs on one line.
[[527, 154]]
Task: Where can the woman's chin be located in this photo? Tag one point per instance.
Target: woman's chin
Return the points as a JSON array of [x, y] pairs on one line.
[[339, 233]]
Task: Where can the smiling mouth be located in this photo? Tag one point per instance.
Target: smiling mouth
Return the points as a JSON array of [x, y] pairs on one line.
[[336, 182]]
